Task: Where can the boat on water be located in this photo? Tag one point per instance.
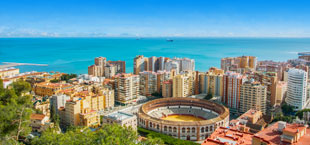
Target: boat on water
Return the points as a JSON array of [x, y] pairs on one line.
[[169, 40]]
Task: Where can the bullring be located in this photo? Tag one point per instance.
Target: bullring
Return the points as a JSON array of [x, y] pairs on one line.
[[205, 117]]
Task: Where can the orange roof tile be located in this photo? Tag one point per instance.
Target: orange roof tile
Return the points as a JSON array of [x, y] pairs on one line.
[[229, 135], [37, 116]]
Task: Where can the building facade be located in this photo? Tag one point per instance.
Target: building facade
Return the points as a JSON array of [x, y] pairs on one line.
[[126, 88], [253, 95], [212, 82], [182, 85], [148, 83], [297, 88], [121, 118], [232, 83]]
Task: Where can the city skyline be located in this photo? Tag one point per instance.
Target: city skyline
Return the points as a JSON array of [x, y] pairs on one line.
[[154, 19]]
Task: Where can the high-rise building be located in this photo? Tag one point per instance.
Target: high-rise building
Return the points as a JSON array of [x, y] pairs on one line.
[[272, 66], [297, 88], [72, 113], [253, 95], [109, 97], [126, 88], [58, 101], [140, 64], [167, 89], [162, 76], [152, 64], [120, 66], [148, 83], [212, 82], [187, 64], [304, 55], [161, 63], [172, 65], [156, 64], [183, 85], [101, 65], [268, 79], [281, 89], [231, 89], [98, 68], [239, 64], [109, 71]]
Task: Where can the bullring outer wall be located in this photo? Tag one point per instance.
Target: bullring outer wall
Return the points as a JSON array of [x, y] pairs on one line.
[[196, 130]]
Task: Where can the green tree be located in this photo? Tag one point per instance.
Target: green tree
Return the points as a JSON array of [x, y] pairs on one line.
[[156, 94], [54, 81], [67, 77], [1, 85], [287, 109], [15, 111], [168, 140], [107, 135], [280, 117], [300, 113], [21, 87]]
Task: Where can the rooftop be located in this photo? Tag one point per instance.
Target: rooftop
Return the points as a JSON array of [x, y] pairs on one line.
[[119, 116], [37, 116], [272, 135], [222, 136]]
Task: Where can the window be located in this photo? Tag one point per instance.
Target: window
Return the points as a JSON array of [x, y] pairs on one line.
[[165, 128], [207, 129], [170, 129], [193, 130], [188, 130], [157, 126], [150, 124], [202, 130], [183, 130], [174, 129]]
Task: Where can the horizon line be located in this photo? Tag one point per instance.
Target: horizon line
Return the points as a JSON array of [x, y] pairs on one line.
[[142, 37]]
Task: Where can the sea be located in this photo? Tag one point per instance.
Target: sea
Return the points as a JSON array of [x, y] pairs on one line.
[[74, 55]]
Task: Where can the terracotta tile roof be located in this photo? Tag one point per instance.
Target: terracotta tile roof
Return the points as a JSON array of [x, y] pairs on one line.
[[223, 136], [272, 136], [37, 116]]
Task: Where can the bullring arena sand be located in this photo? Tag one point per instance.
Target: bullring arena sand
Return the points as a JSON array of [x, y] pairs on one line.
[[187, 118]]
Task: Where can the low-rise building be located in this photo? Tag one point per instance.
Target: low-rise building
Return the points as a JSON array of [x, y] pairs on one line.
[[253, 120], [89, 118], [121, 118], [49, 89], [8, 72], [44, 107], [227, 136], [282, 133], [39, 122]]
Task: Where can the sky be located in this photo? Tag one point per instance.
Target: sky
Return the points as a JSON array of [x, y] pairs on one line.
[[154, 18]]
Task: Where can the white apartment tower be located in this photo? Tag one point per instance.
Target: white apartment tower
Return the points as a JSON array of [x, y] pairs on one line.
[[297, 88]]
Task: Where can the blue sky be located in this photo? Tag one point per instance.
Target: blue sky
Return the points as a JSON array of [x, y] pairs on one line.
[[155, 18]]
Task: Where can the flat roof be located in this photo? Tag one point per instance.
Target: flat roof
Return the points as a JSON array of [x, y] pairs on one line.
[[119, 116]]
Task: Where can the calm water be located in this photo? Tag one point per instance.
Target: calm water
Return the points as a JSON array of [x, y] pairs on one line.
[[74, 55]]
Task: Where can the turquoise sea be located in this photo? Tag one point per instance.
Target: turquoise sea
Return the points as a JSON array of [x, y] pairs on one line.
[[74, 55]]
